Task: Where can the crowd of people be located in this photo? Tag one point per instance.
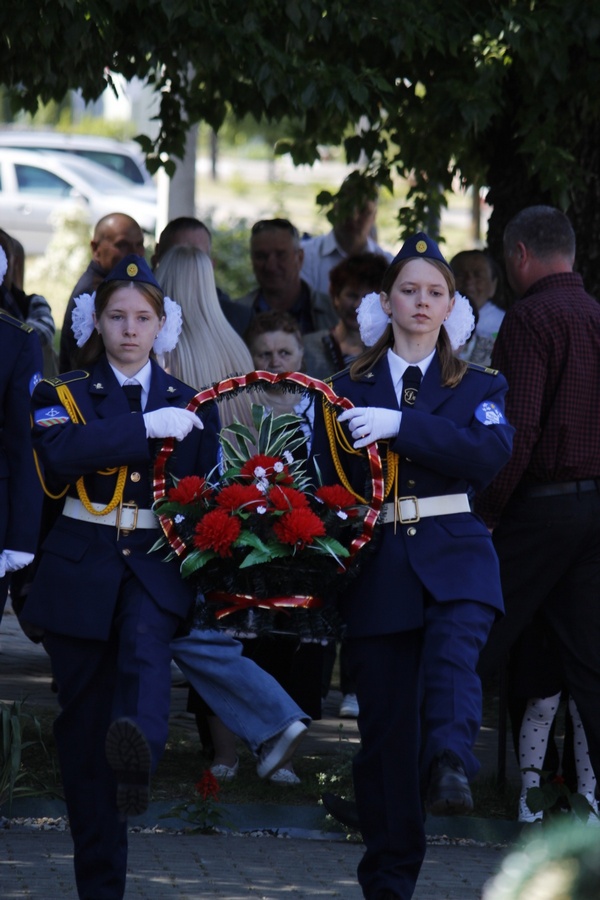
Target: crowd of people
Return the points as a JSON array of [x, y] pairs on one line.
[[485, 564]]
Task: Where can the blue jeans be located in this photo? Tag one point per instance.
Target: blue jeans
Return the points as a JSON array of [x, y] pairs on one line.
[[246, 699]]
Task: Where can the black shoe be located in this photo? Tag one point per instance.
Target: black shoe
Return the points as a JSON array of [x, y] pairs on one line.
[[343, 811], [448, 793], [128, 754]]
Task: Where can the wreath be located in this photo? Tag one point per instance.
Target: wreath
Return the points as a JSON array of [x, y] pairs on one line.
[[267, 548]]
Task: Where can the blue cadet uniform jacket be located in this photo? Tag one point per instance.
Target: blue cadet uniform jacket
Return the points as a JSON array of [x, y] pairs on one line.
[[453, 441], [20, 491], [83, 564]]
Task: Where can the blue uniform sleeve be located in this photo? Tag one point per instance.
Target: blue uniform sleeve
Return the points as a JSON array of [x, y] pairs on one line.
[[473, 450]]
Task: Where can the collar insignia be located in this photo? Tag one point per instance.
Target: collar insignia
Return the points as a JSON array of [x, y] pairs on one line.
[[171, 389], [98, 386]]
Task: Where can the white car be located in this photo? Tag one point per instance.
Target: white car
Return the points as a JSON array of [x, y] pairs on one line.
[[35, 185], [122, 157]]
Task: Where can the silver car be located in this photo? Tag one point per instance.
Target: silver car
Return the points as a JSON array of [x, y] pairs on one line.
[[123, 157], [34, 185]]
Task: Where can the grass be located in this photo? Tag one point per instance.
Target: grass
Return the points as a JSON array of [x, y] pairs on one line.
[[183, 764]]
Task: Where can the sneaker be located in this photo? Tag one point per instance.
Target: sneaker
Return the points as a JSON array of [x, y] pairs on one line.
[[526, 817], [278, 749], [128, 754], [284, 776], [348, 707], [225, 773]]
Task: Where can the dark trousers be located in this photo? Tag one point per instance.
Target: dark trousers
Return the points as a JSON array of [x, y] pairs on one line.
[[454, 635], [386, 783], [549, 550], [99, 681]]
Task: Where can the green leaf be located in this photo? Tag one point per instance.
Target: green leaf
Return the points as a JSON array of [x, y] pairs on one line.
[[195, 560], [271, 551], [539, 800], [580, 806], [331, 546], [250, 539]]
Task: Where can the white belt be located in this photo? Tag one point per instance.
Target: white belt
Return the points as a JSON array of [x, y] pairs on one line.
[[411, 509], [126, 517]]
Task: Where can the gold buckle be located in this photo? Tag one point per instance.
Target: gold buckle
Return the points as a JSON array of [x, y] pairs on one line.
[[131, 505], [408, 520]]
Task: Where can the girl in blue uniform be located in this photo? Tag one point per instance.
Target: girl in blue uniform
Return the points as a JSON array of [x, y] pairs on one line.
[[428, 590], [107, 606]]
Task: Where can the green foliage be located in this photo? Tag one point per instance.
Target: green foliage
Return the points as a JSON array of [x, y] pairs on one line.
[[204, 813], [337, 777], [231, 252], [15, 779], [491, 94], [554, 794]]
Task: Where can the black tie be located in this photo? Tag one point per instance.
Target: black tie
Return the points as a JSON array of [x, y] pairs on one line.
[[411, 382], [133, 392]]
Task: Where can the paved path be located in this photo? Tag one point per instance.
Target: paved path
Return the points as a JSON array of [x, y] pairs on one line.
[[37, 864], [163, 866]]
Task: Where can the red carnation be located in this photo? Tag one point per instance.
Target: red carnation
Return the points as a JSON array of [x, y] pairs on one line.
[[236, 496], [217, 531], [189, 489], [334, 496], [284, 498], [208, 786], [299, 527]]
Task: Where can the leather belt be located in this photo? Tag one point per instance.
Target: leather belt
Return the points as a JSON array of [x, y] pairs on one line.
[[554, 489], [412, 509], [126, 517]]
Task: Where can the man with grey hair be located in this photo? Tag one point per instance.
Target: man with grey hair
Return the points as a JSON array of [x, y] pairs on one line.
[[544, 505], [277, 257]]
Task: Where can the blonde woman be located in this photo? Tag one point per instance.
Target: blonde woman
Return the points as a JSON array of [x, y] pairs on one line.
[[209, 349]]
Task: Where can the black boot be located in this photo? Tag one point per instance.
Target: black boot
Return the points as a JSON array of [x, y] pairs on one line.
[[448, 792]]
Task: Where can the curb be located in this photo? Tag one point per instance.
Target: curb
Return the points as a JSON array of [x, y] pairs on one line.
[[308, 822]]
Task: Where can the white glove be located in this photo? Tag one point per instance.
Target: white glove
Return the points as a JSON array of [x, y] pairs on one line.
[[371, 423], [13, 560], [170, 421]]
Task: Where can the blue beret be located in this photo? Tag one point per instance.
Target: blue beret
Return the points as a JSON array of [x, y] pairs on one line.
[[133, 268], [420, 246]]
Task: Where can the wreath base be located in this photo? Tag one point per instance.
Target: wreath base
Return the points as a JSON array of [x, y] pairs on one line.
[[272, 616]]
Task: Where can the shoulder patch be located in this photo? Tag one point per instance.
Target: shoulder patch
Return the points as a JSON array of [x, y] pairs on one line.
[[485, 369], [51, 415], [489, 413], [17, 323], [68, 378], [35, 379]]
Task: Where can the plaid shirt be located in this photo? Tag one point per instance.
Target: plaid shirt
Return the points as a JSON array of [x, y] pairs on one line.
[[548, 348]]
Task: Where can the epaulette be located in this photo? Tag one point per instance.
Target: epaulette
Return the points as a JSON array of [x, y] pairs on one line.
[[68, 377], [10, 320], [485, 369], [331, 378]]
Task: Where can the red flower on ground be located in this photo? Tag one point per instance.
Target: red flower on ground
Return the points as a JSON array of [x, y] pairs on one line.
[[260, 466], [189, 489], [217, 531], [334, 496], [208, 786], [299, 527], [284, 498], [235, 496]]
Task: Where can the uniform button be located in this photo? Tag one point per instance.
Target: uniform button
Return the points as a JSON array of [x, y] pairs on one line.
[[411, 532], [135, 476], [126, 551], [411, 482]]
